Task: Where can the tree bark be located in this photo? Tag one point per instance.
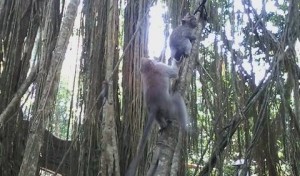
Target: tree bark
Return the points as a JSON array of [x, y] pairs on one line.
[[110, 153], [136, 29], [168, 140], [17, 97], [35, 140], [93, 68], [17, 35]]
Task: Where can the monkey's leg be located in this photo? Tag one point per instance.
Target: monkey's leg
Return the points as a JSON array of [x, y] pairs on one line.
[[188, 48], [180, 110]]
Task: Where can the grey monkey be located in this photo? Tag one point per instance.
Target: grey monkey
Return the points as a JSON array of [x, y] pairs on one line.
[[161, 105], [182, 37]]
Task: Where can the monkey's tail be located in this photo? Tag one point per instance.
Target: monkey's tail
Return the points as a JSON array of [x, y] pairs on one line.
[[181, 111], [141, 147]]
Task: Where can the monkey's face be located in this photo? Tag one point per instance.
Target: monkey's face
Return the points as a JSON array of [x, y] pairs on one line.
[[193, 22], [189, 20]]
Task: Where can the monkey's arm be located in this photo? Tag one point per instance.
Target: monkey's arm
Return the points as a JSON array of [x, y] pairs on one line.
[[190, 35]]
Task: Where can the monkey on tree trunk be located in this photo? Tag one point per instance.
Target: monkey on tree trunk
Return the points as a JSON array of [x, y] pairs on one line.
[[161, 105], [182, 37]]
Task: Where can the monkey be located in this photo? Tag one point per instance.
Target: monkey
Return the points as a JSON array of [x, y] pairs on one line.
[[161, 105], [182, 37]]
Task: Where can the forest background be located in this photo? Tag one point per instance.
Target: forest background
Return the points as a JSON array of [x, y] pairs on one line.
[[240, 85]]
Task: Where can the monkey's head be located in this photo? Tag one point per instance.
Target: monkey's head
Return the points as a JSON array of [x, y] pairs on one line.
[[146, 64], [189, 20]]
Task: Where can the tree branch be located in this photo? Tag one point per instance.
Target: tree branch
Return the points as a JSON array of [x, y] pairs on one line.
[[18, 95]]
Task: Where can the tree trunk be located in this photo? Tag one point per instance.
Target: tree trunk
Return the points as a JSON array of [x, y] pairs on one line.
[[49, 90], [135, 46], [110, 154], [17, 34], [168, 141], [92, 74]]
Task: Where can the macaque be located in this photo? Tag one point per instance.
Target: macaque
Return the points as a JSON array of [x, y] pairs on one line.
[[182, 38], [161, 105]]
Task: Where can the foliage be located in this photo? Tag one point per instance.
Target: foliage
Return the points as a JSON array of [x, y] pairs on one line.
[[59, 122]]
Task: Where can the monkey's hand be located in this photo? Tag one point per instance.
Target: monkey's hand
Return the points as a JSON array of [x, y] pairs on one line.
[[181, 59], [175, 64]]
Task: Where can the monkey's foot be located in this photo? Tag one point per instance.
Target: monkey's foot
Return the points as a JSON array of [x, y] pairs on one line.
[[165, 126]]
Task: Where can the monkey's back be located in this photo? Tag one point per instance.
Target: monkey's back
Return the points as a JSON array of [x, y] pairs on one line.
[[156, 86], [180, 41], [178, 36], [156, 89]]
